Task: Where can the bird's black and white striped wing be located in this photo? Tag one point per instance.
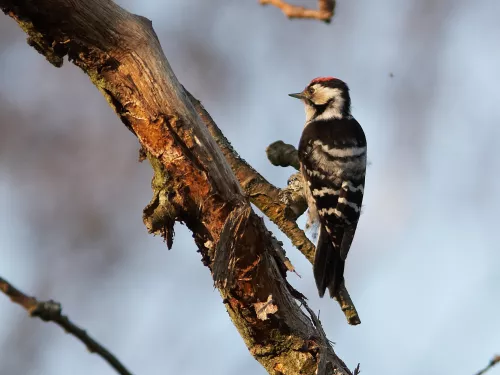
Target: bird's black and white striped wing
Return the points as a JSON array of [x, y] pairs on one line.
[[334, 171]]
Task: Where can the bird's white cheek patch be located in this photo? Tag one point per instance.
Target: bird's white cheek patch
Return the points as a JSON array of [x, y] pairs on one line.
[[324, 94], [310, 111], [321, 97]]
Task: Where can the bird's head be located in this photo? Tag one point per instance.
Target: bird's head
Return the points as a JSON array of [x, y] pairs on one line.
[[325, 98]]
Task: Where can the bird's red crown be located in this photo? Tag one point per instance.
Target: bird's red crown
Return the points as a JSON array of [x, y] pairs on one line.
[[322, 79]]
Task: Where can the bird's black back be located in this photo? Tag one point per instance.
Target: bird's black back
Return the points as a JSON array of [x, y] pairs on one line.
[[333, 165]]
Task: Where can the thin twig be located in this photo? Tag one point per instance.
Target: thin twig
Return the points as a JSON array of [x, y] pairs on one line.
[[493, 362], [324, 12], [51, 311]]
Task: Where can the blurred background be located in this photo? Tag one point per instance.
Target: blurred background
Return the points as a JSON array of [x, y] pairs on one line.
[[424, 267]]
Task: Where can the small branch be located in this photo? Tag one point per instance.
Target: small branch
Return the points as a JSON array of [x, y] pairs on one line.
[[51, 311], [492, 363], [282, 154], [324, 12], [278, 205]]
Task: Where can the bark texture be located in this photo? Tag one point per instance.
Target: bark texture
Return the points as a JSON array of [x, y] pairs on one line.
[[193, 182]]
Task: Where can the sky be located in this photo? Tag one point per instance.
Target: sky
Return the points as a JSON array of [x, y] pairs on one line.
[[423, 269]]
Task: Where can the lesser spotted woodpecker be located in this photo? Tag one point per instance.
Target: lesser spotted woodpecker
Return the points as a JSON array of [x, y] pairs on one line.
[[332, 154]]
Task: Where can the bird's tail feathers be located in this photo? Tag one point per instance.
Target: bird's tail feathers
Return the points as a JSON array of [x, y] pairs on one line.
[[328, 266], [338, 278]]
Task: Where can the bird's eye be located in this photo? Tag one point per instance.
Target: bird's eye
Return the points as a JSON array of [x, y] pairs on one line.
[[311, 90]]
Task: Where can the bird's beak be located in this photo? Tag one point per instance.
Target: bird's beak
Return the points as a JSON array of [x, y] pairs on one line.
[[298, 95]]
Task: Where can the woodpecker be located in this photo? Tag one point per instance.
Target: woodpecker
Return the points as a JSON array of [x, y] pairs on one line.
[[332, 155]]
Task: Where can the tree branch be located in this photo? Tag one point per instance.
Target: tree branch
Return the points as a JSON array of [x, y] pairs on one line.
[[282, 154], [51, 311], [325, 11], [495, 360], [193, 182]]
